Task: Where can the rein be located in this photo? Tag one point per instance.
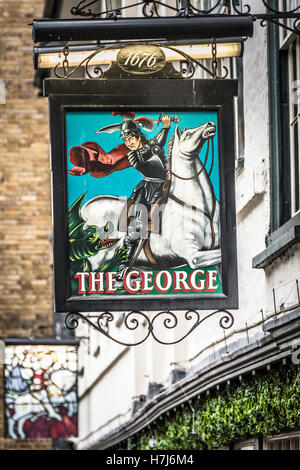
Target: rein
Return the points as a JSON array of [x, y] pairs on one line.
[[203, 166]]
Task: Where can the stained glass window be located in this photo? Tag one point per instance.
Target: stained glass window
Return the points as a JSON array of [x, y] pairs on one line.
[[41, 391]]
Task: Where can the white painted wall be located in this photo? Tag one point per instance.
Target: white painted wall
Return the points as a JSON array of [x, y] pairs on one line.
[[107, 404]]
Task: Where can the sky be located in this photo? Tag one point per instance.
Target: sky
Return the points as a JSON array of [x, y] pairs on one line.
[[82, 127]]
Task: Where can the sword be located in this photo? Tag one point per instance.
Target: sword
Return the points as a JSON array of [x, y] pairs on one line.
[[158, 121]]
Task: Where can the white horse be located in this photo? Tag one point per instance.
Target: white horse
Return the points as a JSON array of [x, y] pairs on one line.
[[190, 232]]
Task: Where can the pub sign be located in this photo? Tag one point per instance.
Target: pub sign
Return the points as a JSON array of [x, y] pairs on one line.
[[143, 194]]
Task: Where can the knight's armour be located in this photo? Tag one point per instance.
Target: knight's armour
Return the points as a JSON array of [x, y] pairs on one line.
[[150, 159]]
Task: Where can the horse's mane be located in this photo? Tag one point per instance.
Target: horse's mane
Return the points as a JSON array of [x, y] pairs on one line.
[[170, 148]]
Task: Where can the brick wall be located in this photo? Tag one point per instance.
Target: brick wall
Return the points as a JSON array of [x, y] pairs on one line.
[[25, 214]]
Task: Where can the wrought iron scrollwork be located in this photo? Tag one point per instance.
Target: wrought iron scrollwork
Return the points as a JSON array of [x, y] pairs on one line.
[[97, 72], [137, 320], [294, 29], [68, 72], [296, 24], [190, 60], [247, 8], [212, 9], [274, 10], [150, 8]]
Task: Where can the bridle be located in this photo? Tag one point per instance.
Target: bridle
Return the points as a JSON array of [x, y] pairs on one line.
[[203, 165]]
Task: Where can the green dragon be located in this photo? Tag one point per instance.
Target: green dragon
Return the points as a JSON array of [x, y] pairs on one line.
[[85, 242]]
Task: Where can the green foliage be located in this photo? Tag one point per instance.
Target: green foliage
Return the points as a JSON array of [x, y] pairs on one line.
[[265, 404]]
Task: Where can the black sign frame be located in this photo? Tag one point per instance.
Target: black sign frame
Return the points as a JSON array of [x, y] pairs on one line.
[[146, 94]]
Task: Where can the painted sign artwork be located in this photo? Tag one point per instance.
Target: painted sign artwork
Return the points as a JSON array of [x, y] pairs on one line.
[[144, 203], [40, 392]]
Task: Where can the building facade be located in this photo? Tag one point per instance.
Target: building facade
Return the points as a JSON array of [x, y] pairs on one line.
[[237, 389], [216, 389], [26, 266]]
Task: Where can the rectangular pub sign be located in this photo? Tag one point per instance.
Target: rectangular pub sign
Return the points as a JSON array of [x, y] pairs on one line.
[[148, 210]]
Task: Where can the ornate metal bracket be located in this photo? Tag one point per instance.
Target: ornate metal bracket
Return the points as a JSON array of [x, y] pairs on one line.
[[150, 8], [139, 321], [166, 70]]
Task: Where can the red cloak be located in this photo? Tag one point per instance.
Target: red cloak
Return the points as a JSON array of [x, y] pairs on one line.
[[91, 158]]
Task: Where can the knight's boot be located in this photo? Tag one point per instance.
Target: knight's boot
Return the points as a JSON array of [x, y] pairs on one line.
[[131, 246]]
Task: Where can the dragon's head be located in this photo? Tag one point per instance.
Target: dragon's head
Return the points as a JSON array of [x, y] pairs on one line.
[[104, 234], [86, 241]]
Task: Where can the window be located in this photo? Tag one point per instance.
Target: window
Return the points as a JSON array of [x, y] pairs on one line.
[[251, 444], [284, 113], [284, 78], [289, 441], [289, 44], [294, 81]]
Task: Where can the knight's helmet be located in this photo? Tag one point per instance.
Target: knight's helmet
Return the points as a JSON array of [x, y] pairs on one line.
[[129, 126]]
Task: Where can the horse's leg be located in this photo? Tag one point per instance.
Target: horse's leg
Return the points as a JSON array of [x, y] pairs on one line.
[[71, 400], [21, 422], [51, 412], [205, 258], [11, 428]]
